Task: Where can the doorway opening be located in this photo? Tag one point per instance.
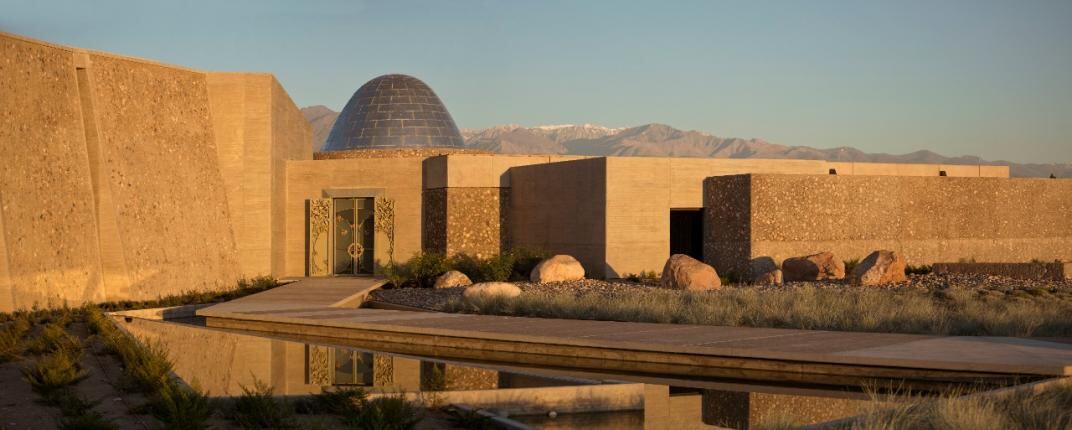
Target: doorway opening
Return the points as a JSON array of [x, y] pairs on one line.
[[353, 230], [686, 232]]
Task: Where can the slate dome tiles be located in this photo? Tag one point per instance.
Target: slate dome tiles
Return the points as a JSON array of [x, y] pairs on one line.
[[393, 111]]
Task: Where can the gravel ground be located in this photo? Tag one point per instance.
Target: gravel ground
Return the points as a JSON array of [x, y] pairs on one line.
[[995, 286]]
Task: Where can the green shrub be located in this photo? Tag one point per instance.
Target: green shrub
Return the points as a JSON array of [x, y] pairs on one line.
[[54, 372], [54, 337], [385, 413], [922, 269], [526, 259], [12, 335], [146, 367], [497, 268], [181, 407], [850, 265], [421, 270], [343, 402], [258, 409]]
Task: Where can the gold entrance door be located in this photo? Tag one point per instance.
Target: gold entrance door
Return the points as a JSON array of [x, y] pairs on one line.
[[353, 233]]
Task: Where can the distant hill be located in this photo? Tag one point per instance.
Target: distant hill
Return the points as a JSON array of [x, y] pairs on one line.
[[321, 118], [660, 140]]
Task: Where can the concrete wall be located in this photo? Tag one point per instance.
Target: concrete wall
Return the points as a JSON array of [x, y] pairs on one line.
[[929, 219], [561, 207], [394, 178], [114, 185], [49, 237], [257, 129], [639, 193], [466, 201], [171, 210]]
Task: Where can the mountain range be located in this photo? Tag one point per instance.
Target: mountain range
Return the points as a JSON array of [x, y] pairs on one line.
[[660, 140]]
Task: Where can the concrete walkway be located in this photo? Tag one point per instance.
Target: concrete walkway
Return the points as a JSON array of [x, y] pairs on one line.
[[325, 309]]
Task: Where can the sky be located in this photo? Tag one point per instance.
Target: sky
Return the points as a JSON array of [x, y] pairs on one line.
[[959, 77]]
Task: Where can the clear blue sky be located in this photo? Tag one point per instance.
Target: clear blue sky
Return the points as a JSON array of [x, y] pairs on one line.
[[979, 77]]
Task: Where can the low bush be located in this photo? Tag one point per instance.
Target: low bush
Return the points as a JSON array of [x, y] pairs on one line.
[[181, 407], [147, 369], [526, 259], [54, 337], [385, 413], [52, 373], [422, 269], [258, 409], [850, 265], [12, 335], [343, 402], [496, 268]]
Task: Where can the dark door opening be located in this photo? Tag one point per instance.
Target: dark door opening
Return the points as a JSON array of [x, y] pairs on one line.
[[686, 232]]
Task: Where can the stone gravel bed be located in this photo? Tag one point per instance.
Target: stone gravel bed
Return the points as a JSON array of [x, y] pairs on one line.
[[996, 286]]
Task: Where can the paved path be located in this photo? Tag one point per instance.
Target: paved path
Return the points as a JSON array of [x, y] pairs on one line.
[[324, 308]]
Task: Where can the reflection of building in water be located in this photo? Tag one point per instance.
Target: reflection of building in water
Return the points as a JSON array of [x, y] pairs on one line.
[[222, 362]]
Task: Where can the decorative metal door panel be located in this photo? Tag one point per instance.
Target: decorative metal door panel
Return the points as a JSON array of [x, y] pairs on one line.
[[319, 237], [353, 235]]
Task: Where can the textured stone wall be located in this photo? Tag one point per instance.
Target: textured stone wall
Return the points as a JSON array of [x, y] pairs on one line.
[[470, 221], [158, 148], [1054, 270], [929, 219], [744, 410], [47, 225], [113, 186], [727, 244], [434, 220]]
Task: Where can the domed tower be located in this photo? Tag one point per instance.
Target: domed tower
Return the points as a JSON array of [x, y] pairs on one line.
[[393, 111]]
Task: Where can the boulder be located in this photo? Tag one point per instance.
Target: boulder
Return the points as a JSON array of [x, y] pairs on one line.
[[682, 272], [452, 279], [489, 289], [881, 267], [557, 269], [765, 272], [817, 267]]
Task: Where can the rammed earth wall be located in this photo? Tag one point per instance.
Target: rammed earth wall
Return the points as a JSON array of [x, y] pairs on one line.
[[929, 219]]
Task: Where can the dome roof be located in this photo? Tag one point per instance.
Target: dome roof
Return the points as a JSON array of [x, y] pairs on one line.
[[394, 111]]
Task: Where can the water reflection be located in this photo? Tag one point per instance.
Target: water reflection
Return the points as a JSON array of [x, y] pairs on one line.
[[222, 362]]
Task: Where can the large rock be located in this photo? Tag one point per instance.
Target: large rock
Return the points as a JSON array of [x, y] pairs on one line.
[[452, 279], [557, 269], [765, 272], [490, 289], [817, 267], [682, 272], [881, 267]]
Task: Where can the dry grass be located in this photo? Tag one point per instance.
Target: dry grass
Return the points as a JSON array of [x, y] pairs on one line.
[[944, 312], [1050, 409]]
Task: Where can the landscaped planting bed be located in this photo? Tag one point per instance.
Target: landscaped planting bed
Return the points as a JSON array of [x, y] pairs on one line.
[[948, 304]]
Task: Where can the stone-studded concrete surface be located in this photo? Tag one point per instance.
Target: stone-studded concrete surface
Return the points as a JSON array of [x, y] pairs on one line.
[[163, 171], [466, 220], [929, 219], [46, 197], [391, 111]]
